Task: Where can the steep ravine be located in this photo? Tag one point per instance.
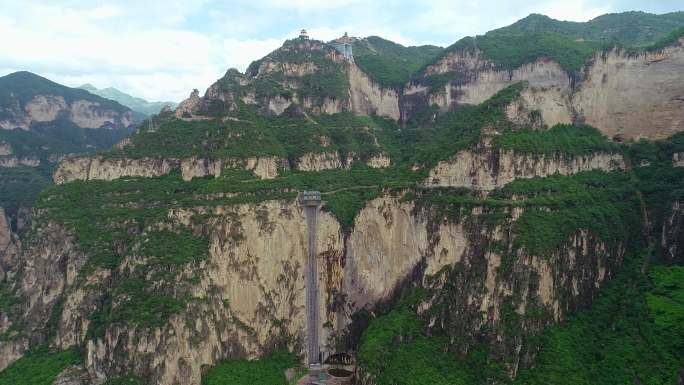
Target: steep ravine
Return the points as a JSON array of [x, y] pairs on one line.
[[253, 280]]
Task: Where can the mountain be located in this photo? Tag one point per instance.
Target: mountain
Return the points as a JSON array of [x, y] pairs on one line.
[[390, 63], [136, 104], [631, 29], [42, 121], [492, 220]]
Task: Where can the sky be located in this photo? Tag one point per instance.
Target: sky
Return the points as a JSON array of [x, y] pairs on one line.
[[161, 49]]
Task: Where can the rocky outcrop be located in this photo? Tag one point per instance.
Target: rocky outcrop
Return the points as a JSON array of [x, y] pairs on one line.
[[678, 159], [624, 94], [14, 161], [379, 161], [319, 161], [192, 104], [12, 350], [10, 246], [101, 168], [5, 149], [83, 113], [673, 234], [265, 167], [369, 97], [488, 169]]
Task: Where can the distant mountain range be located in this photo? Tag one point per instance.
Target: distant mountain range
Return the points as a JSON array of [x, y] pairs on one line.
[[41, 122], [134, 103]]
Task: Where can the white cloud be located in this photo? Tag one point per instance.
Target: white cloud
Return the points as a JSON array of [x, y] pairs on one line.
[[161, 49]]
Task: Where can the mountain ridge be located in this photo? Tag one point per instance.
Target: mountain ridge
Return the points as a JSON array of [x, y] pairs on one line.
[[135, 103]]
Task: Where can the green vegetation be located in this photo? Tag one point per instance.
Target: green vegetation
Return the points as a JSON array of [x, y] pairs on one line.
[[269, 370], [389, 63], [568, 139], [510, 50], [39, 367], [20, 186], [632, 29], [633, 334], [328, 81], [572, 43], [257, 135]]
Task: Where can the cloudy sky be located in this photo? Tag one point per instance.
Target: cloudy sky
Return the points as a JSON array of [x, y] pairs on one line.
[[161, 49]]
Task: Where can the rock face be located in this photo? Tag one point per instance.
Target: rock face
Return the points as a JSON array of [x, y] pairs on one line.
[[369, 97], [187, 106], [280, 82], [488, 169], [379, 161], [83, 113], [319, 161], [673, 234], [9, 246], [253, 279], [13, 161], [5, 149], [678, 159], [623, 94], [100, 168]]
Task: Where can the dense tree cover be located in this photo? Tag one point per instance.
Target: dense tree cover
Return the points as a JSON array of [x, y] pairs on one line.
[[389, 63], [255, 135], [632, 334], [572, 43], [571, 140], [269, 370], [633, 29], [20, 186], [39, 367]]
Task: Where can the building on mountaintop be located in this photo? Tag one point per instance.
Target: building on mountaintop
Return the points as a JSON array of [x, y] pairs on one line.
[[344, 46], [303, 35]]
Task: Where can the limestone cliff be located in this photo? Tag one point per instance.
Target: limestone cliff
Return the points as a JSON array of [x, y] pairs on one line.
[[48, 108], [101, 168], [488, 169], [678, 159], [624, 94], [673, 234], [264, 167], [285, 80], [253, 279], [14, 161]]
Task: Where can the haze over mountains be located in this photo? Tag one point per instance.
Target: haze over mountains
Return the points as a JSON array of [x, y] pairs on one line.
[[136, 104], [505, 210]]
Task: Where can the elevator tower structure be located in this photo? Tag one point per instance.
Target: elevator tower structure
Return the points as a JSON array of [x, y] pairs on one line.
[[311, 201]]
